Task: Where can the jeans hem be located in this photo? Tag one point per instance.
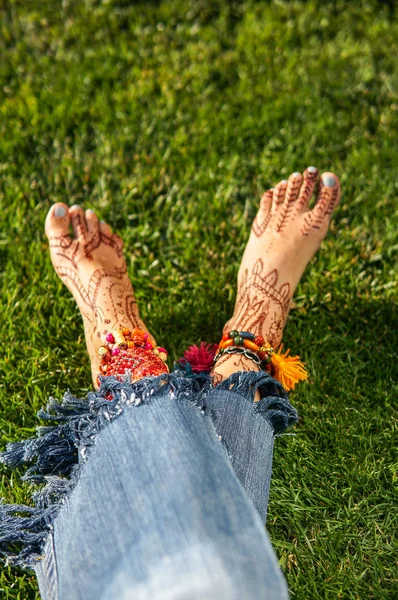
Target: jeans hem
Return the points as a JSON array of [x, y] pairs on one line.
[[60, 450], [273, 404]]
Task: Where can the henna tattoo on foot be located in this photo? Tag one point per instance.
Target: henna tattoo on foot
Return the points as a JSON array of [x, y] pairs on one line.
[[92, 266], [285, 234], [261, 306]]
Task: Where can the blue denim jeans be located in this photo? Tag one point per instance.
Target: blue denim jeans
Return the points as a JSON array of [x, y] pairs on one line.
[[153, 490]]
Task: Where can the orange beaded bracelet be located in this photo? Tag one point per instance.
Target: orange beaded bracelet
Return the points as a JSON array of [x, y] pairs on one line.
[[256, 343], [286, 369]]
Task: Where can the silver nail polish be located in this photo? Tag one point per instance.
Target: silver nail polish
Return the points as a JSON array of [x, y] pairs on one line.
[[312, 169], [74, 207], [284, 181], [328, 181], [59, 211], [296, 174], [90, 211]]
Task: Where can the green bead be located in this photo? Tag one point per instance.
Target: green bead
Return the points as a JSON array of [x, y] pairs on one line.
[[233, 334], [238, 340]]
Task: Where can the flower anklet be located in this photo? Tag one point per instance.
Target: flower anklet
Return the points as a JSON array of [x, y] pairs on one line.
[[131, 350]]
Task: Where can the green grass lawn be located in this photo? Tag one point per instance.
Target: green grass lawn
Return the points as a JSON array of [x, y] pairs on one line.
[[169, 119]]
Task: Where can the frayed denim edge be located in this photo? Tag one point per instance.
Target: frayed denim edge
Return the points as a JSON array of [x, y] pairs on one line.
[[59, 451], [273, 405]]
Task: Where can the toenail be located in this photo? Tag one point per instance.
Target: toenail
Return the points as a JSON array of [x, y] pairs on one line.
[[284, 181], [296, 174], [59, 211], [90, 211], [329, 181], [312, 169], [75, 207]]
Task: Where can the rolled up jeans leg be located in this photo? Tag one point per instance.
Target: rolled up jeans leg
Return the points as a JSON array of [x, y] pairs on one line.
[[159, 513], [248, 428], [141, 499]]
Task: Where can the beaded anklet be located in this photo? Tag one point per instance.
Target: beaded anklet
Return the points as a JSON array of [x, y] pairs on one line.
[[239, 350], [256, 343], [289, 370], [131, 350]]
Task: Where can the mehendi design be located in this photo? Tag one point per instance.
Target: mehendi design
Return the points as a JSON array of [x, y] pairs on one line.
[[286, 210], [281, 225], [117, 305], [333, 202], [306, 190], [216, 378], [263, 217], [262, 305]]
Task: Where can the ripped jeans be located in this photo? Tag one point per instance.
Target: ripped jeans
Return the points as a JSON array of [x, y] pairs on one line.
[[152, 490]]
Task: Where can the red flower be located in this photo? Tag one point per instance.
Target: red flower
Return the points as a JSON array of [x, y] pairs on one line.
[[201, 358]]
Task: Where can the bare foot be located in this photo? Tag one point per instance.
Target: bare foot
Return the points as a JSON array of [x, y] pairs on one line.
[[285, 235], [91, 264]]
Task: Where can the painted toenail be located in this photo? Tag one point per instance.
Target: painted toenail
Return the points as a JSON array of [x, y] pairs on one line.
[[284, 181], [75, 207], [312, 169], [329, 181], [59, 211], [90, 211], [296, 174]]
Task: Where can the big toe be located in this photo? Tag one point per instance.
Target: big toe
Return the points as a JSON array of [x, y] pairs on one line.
[[329, 194], [57, 221]]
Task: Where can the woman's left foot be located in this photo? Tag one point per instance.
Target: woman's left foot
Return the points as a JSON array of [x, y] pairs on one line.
[[285, 235], [89, 259]]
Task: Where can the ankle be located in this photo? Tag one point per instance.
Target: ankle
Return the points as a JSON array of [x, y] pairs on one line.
[[230, 364], [269, 328]]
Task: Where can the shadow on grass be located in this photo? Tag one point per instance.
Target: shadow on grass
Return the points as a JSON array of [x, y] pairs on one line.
[[354, 335]]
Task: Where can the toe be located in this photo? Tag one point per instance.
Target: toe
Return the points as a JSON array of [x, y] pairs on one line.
[[328, 195], [118, 241], [76, 214], [310, 178], [106, 229], [263, 215], [266, 201], [293, 188], [92, 221], [279, 194], [57, 221], [109, 238]]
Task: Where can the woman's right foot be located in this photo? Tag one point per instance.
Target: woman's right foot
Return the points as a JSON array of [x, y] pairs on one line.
[[89, 260], [285, 235]]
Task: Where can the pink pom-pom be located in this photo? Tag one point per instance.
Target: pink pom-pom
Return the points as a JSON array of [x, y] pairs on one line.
[[146, 336], [109, 338], [201, 358], [148, 346], [115, 351], [162, 350]]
